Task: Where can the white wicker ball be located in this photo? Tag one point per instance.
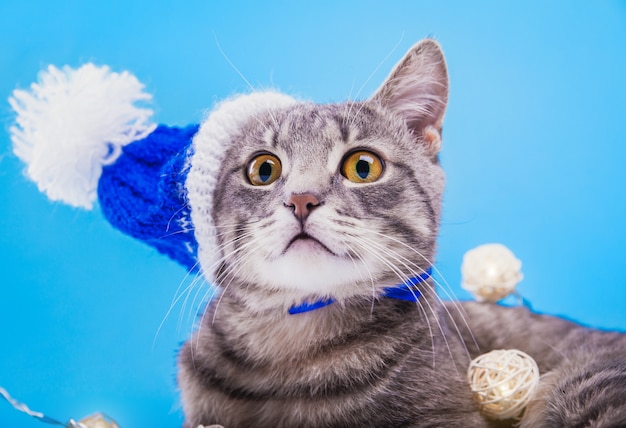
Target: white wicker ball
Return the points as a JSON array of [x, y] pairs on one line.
[[97, 420], [503, 382], [490, 272]]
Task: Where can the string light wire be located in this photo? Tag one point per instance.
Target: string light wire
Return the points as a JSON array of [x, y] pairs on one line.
[[96, 420]]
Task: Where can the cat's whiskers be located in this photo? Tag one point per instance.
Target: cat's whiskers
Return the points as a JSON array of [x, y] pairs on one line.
[[233, 269], [411, 265], [241, 232], [358, 92], [403, 277], [219, 47], [196, 324], [198, 278], [181, 209], [176, 298], [238, 225], [250, 86], [194, 310], [177, 232], [220, 285], [196, 282], [267, 128], [348, 100], [371, 276], [447, 289], [396, 262], [192, 229]]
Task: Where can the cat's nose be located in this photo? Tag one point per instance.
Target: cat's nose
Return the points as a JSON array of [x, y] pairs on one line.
[[302, 204]]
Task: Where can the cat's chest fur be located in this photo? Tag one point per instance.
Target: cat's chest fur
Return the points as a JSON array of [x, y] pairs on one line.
[[334, 367]]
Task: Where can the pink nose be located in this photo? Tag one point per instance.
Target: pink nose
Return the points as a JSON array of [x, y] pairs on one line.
[[302, 204]]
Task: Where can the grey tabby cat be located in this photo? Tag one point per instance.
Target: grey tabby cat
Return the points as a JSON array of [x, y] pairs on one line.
[[320, 211]]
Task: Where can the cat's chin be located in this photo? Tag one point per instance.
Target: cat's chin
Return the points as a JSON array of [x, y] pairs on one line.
[[310, 267], [307, 245]]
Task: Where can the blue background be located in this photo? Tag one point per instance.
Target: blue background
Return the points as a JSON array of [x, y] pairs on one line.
[[534, 147]]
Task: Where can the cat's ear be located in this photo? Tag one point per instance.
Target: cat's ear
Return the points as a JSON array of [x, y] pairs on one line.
[[417, 89]]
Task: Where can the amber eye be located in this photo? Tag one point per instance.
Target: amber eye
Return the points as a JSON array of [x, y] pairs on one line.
[[362, 167], [263, 169]]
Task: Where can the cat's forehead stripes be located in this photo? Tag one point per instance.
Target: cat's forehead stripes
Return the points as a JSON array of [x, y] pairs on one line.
[[344, 127], [309, 130], [330, 124]]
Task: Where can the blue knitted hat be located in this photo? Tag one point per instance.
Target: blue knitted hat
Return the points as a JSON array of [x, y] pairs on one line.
[[84, 135], [142, 193]]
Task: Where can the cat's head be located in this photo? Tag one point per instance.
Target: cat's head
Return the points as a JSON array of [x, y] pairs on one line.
[[323, 200]]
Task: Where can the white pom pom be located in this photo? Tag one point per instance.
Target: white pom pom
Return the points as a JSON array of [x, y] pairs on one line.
[[490, 272], [503, 382], [72, 123]]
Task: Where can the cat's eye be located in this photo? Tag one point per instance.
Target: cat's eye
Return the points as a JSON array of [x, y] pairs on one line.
[[362, 167], [263, 169]]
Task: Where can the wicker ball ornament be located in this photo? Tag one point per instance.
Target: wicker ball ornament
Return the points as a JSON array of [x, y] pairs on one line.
[[490, 272], [97, 420], [503, 382]]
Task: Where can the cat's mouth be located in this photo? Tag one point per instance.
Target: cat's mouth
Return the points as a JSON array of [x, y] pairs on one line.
[[306, 239]]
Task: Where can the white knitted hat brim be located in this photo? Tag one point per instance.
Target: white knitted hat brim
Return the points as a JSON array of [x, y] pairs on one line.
[[214, 138]]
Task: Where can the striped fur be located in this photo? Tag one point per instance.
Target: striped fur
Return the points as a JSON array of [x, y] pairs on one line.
[[583, 381], [364, 360]]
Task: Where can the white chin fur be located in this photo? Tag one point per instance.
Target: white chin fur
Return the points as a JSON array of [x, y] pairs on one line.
[[310, 271]]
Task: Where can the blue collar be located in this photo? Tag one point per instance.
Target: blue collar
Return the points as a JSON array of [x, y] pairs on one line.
[[404, 291]]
